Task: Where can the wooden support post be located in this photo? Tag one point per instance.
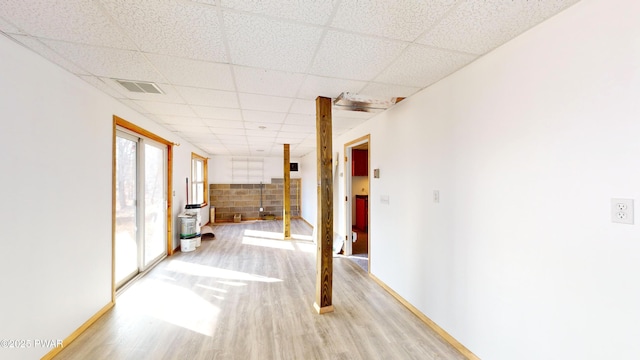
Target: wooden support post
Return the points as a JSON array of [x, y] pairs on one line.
[[324, 268], [286, 209]]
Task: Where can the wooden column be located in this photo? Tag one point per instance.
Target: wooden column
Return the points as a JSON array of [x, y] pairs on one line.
[[286, 209], [324, 268]]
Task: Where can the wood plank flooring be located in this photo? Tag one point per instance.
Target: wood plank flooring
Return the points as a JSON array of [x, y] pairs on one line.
[[248, 295]]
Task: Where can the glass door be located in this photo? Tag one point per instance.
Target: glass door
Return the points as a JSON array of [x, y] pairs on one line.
[[126, 247], [155, 203], [141, 205]]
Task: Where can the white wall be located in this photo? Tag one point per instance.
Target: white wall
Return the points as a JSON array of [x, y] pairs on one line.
[[56, 151], [309, 194], [527, 146], [221, 169]]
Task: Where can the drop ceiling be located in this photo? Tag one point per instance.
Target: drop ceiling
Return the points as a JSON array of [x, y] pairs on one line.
[[239, 77]]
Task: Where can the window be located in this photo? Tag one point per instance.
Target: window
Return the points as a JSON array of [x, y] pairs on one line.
[[199, 185]]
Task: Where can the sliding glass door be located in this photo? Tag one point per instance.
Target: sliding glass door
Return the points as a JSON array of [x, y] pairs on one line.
[[141, 205]]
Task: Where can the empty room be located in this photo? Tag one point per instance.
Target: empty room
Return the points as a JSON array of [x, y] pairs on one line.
[[365, 179]]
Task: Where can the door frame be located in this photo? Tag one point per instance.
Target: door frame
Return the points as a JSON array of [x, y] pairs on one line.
[[366, 139], [119, 122]]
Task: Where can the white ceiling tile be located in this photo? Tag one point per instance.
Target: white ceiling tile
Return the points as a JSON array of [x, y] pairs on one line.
[[298, 129], [78, 21], [399, 19], [193, 136], [9, 28], [42, 49], [315, 86], [210, 112], [131, 104], [261, 140], [239, 150], [288, 140], [218, 150], [479, 26], [232, 139], [261, 126], [106, 62], [181, 120], [305, 107], [267, 82], [263, 116], [264, 102], [175, 28], [204, 139], [420, 66], [214, 123], [100, 84], [186, 72], [227, 131], [299, 119], [208, 97], [350, 56], [203, 145], [310, 142], [260, 42], [218, 105], [310, 11], [162, 108], [387, 91], [191, 129]]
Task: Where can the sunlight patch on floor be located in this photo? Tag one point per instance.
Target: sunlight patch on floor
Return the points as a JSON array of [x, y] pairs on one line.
[[210, 271], [174, 304], [276, 244], [306, 247], [233, 283], [264, 234], [302, 237], [275, 235], [212, 288]]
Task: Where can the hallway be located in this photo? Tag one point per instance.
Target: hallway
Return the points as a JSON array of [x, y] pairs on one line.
[[248, 295]]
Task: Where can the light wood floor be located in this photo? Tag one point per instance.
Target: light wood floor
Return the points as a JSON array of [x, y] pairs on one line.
[[246, 295]]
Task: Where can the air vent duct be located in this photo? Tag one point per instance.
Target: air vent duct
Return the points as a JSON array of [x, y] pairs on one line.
[[140, 87], [354, 102]]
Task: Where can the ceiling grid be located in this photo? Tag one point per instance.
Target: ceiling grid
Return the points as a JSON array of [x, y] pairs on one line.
[[239, 77]]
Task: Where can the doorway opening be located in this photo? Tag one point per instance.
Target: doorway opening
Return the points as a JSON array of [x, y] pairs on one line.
[[141, 205], [357, 185]]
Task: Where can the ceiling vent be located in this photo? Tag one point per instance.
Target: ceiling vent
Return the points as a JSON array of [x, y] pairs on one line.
[[354, 102], [140, 87]]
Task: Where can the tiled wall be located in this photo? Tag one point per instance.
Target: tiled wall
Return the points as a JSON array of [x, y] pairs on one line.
[[244, 199]]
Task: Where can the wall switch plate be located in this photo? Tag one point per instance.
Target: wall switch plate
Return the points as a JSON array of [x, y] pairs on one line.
[[384, 199], [622, 211]]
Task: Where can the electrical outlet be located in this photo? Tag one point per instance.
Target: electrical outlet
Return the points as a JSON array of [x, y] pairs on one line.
[[436, 196], [622, 211]]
